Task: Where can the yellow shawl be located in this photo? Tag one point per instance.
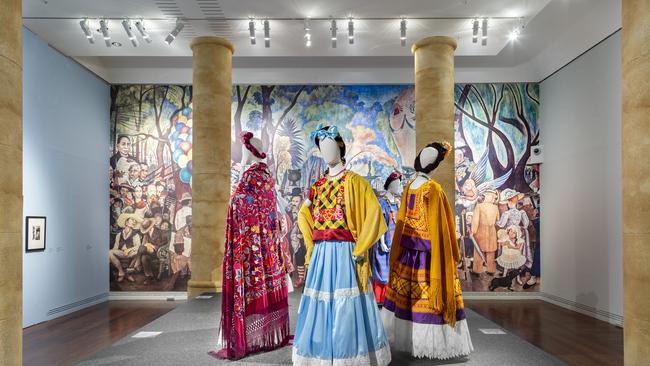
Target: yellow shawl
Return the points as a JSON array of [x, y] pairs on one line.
[[444, 250], [364, 218]]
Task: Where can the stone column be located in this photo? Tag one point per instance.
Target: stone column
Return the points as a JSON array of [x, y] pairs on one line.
[[434, 101], [212, 93], [11, 182], [636, 179]]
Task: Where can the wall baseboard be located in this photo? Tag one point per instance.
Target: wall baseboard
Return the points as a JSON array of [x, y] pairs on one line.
[[599, 314], [502, 296], [169, 296], [77, 305]]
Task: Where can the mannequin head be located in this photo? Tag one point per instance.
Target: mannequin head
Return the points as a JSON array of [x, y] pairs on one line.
[[395, 187], [251, 148], [393, 183], [330, 143], [430, 157]]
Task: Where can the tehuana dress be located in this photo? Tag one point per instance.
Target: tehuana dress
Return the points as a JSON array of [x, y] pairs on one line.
[[338, 320]]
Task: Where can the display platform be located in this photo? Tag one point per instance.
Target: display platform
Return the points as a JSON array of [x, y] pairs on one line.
[[190, 331]]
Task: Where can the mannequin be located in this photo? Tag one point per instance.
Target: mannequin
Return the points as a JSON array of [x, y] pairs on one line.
[[254, 306], [380, 253], [424, 311], [338, 322]]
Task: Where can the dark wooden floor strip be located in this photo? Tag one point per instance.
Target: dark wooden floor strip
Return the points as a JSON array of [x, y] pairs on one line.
[[71, 338], [572, 337]]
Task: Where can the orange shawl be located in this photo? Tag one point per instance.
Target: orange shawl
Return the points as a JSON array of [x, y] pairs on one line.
[[444, 250]]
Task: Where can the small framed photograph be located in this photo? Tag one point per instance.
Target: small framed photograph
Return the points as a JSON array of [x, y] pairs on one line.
[[35, 233]]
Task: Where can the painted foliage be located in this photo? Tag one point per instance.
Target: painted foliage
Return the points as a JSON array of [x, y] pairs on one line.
[[497, 186], [150, 187]]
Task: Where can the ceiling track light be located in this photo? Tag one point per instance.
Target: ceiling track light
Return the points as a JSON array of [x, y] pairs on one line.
[[307, 33], [267, 34], [139, 25], [475, 31], [333, 29], [251, 30], [127, 28], [103, 27], [86, 29], [351, 31], [484, 28], [174, 33], [515, 33], [402, 32]]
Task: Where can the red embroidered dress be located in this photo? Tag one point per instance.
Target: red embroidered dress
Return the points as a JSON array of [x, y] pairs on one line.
[[254, 307]]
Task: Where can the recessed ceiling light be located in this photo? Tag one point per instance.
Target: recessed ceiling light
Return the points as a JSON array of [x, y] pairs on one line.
[[116, 44]]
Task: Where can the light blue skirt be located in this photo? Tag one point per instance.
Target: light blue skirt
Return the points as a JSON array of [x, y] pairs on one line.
[[337, 324]]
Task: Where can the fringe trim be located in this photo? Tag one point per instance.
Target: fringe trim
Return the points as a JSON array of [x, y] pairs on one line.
[[263, 333], [432, 341], [381, 357]]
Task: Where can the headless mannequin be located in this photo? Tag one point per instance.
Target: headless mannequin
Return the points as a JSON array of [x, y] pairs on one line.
[[427, 156], [391, 195], [247, 157], [331, 153]]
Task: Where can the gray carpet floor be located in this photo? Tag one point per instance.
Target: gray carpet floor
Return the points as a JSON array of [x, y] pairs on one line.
[[190, 332]]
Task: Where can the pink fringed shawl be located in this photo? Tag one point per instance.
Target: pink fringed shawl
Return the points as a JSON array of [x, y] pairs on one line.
[[254, 307]]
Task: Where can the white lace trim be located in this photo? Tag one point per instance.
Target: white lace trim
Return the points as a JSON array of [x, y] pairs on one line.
[[339, 293], [427, 340], [381, 357]]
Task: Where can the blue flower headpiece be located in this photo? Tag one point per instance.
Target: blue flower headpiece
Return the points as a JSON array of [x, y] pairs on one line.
[[323, 132]]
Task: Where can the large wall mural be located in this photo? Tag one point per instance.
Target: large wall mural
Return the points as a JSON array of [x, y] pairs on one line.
[[150, 187], [497, 203]]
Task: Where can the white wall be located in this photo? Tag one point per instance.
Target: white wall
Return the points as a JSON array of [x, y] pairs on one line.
[[580, 123], [65, 167]]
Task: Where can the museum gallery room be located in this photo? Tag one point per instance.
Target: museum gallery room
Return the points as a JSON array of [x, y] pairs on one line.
[[377, 183]]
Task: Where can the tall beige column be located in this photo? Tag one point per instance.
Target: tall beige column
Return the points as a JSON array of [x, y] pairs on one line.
[[434, 100], [11, 182], [636, 180], [212, 92]]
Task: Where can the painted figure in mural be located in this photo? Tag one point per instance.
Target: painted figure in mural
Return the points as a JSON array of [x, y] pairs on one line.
[[338, 319], [254, 305], [152, 240], [179, 252], [127, 244], [516, 217], [511, 243], [380, 253], [184, 211], [485, 216], [296, 240], [402, 125], [424, 310]]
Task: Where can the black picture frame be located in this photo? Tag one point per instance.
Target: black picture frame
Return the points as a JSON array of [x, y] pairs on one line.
[[38, 234]]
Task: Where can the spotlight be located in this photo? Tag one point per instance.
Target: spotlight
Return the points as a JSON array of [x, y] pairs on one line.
[[513, 35], [174, 33], [485, 30], [251, 30], [139, 24], [307, 33], [351, 31], [267, 34], [333, 29], [127, 28], [103, 26], [86, 29], [402, 32], [475, 31]]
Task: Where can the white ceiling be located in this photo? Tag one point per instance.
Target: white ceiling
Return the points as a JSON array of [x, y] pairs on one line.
[[556, 31]]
